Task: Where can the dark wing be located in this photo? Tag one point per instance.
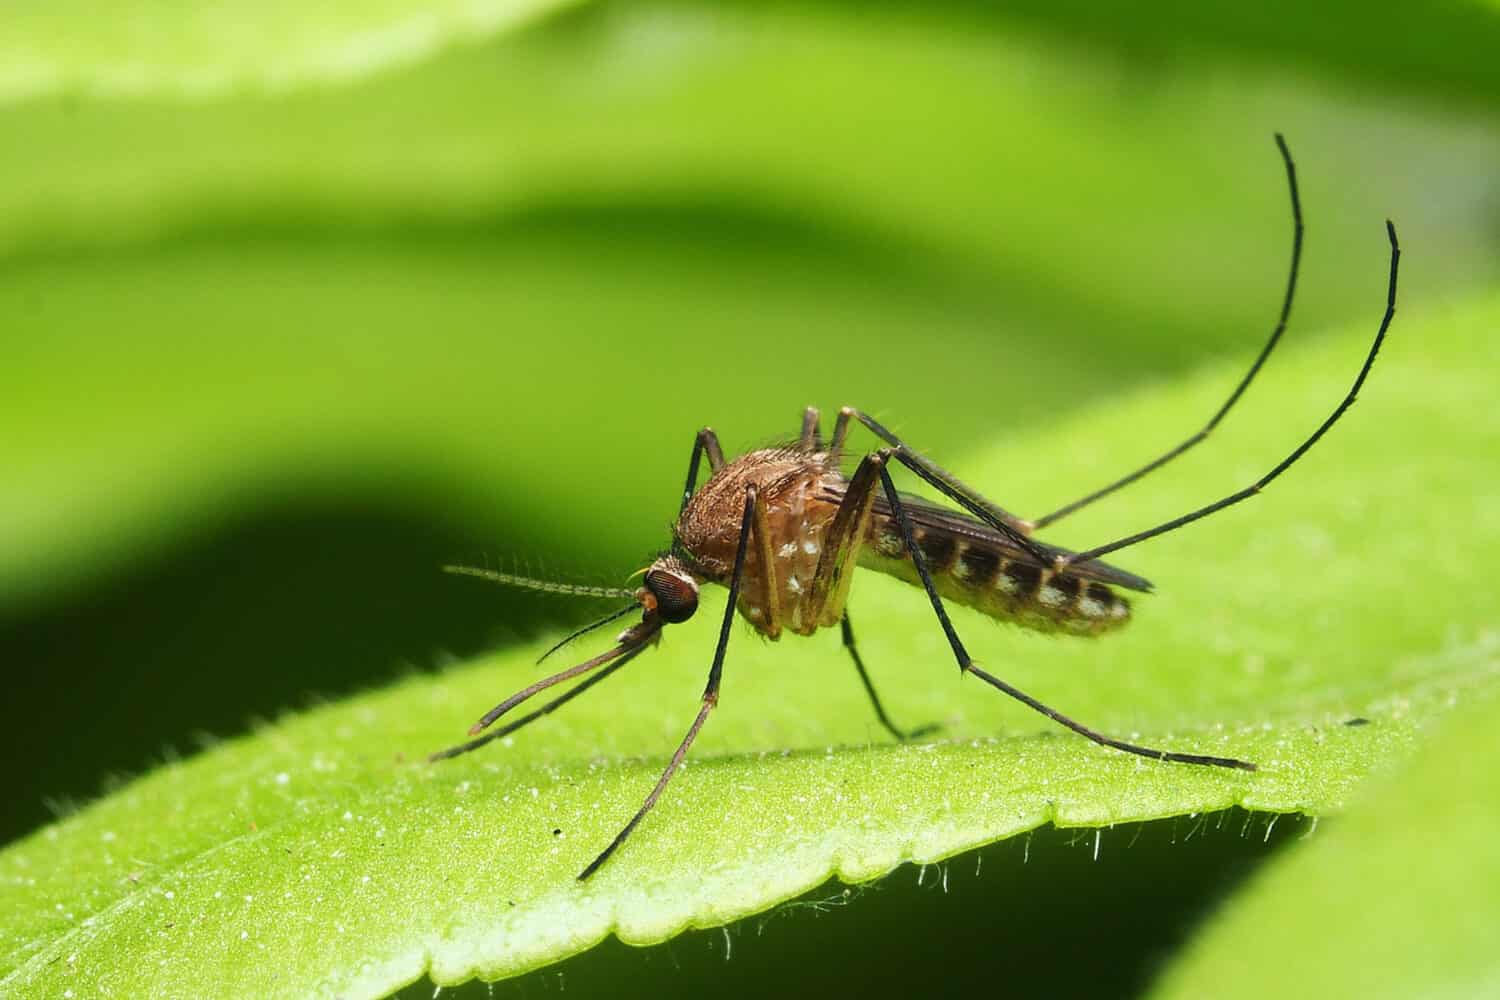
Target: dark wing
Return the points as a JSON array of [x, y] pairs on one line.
[[925, 514]]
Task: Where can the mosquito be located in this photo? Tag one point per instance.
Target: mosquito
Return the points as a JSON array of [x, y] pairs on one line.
[[783, 529]]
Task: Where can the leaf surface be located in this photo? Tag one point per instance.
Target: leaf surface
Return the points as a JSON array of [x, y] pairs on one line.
[[318, 857], [1396, 900]]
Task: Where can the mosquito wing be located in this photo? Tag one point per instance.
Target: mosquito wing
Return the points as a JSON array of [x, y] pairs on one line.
[[925, 514]]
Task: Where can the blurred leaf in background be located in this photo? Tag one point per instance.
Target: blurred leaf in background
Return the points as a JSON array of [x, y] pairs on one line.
[[298, 305], [1389, 927]]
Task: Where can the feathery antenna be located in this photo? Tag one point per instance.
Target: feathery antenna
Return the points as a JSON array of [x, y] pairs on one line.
[[542, 586]]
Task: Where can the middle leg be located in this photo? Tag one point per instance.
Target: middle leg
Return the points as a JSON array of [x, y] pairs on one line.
[[885, 720], [830, 585]]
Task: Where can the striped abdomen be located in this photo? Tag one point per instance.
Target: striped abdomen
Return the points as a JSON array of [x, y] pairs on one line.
[[973, 572]]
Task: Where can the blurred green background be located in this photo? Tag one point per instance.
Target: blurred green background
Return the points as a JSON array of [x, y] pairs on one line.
[[297, 308]]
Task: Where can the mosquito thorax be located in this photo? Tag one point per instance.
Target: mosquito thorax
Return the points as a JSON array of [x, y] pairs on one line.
[[672, 590]]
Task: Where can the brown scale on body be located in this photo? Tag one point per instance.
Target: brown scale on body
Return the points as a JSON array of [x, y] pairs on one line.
[[801, 493], [783, 529]]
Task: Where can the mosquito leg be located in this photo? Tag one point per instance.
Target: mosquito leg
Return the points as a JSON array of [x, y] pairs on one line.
[[966, 663], [546, 709], [710, 692], [830, 584], [770, 589], [811, 438], [840, 434], [1239, 390], [1063, 562], [829, 588], [706, 441], [859, 664], [1012, 527]]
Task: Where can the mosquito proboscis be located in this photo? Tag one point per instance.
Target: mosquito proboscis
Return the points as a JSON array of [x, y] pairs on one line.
[[783, 529]]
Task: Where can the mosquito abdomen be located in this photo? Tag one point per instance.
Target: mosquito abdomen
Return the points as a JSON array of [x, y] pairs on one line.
[[968, 571]]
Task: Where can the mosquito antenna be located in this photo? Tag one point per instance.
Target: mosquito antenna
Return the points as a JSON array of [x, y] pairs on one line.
[[633, 640], [585, 630], [544, 586]]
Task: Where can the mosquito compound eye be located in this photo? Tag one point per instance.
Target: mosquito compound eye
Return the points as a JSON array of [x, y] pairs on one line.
[[676, 596]]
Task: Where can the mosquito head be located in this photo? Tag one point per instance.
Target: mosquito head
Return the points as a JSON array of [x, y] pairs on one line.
[[671, 591]]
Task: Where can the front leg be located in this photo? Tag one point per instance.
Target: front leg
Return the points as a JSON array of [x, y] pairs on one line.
[[706, 441], [710, 692], [811, 438]]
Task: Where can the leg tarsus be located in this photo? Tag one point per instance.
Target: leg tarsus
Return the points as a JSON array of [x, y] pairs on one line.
[[1239, 389], [1286, 463], [1100, 738], [903, 735]]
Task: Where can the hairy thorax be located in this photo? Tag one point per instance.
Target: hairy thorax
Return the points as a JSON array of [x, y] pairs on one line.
[[795, 488]]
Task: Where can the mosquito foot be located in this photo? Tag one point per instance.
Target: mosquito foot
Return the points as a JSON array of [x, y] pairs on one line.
[[915, 734]]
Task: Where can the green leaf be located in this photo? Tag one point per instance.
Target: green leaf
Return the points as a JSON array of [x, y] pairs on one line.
[[1395, 900], [319, 857]]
